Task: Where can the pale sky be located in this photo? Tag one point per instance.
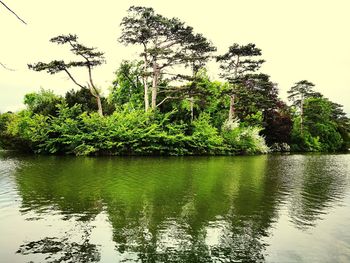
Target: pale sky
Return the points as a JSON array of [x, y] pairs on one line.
[[300, 39]]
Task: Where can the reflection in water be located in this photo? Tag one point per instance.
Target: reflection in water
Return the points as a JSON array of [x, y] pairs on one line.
[[61, 250], [319, 185], [173, 209]]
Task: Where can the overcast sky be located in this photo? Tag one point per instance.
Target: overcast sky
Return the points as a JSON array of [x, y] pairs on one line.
[[300, 39]]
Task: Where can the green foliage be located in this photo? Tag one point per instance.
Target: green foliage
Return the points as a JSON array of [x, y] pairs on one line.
[[124, 132], [206, 96], [7, 141], [43, 102], [205, 138], [300, 91], [238, 61], [131, 131], [80, 133], [244, 139], [319, 121], [189, 110], [305, 142], [23, 131], [254, 119], [127, 87], [321, 132], [87, 102], [90, 58]]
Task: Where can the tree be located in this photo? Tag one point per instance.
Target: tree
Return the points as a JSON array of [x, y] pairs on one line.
[[136, 30], [43, 102], [256, 93], [318, 116], [87, 102], [298, 93], [127, 87], [90, 59], [342, 122], [277, 124], [259, 95], [198, 52], [235, 64], [166, 42]]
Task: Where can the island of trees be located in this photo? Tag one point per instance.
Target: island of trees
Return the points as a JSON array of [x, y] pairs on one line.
[[164, 103]]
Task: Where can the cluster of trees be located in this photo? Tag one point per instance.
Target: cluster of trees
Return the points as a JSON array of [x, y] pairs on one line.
[[164, 102]]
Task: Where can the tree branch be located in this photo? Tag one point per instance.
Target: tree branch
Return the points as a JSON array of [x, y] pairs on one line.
[[9, 9], [167, 98], [92, 85], [4, 66], [75, 82], [132, 82]]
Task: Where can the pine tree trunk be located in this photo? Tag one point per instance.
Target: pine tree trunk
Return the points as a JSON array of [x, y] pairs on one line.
[[146, 96], [154, 86], [231, 113], [99, 106], [154, 96], [145, 84]]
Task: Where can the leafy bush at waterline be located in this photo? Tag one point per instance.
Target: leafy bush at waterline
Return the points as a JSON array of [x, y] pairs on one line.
[[244, 140], [122, 133]]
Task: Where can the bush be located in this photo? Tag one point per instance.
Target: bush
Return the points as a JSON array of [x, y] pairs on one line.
[[43, 102], [243, 140], [21, 131], [305, 142], [80, 133], [205, 138]]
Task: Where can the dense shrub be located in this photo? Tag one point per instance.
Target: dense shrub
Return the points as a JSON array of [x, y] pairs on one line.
[[305, 142], [320, 128], [125, 132], [190, 123], [205, 138], [43, 102], [244, 140]]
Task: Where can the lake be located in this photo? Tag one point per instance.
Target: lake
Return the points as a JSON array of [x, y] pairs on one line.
[[269, 208]]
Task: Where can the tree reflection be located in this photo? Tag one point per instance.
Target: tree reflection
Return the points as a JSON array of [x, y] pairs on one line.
[[61, 250], [173, 226], [317, 187], [173, 209]]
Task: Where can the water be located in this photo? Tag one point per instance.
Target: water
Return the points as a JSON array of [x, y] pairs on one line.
[[274, 208]]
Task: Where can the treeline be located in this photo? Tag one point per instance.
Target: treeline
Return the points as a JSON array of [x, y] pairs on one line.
[[164, 103]]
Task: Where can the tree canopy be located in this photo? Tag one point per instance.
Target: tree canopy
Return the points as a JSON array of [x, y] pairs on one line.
[[90, 58], [164, 102], [235, 64]]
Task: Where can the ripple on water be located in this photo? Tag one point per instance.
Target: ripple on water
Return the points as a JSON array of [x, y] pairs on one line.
[[8, 194], [180, 209]]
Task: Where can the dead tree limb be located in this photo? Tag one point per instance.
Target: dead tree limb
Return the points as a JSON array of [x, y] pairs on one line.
[[9, 9]]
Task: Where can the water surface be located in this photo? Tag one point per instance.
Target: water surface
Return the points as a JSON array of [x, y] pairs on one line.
[[273, 208]]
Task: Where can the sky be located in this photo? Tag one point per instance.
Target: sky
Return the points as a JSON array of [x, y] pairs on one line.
[[300, 39]]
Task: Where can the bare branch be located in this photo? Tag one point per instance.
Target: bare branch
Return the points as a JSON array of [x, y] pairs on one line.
[[167, 98], [5, 67], [75, 82], [132, 82], [9, 9]]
